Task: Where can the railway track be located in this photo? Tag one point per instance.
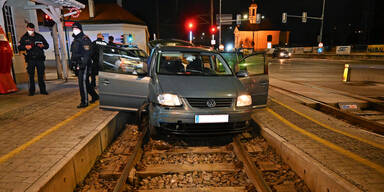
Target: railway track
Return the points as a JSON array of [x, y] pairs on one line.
[[227, 164], [370, 118], [159, 166]]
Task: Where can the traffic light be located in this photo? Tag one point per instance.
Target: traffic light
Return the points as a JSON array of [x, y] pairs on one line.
[[284, 18], [48, 21], [130, 38], [304, 18], [190, 25], [258, 18], [213, 30]]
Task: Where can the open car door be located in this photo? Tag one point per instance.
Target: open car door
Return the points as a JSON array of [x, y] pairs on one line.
[[256, 80], [123, 81]]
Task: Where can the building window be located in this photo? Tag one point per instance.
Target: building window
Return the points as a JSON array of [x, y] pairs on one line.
[[10, 27]]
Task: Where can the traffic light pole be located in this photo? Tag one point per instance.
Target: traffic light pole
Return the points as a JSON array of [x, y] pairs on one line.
[[220, 23]]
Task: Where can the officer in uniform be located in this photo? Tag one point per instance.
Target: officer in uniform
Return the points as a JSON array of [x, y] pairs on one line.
[[110, 41], [81, 59], [34, 43], [95, 57]]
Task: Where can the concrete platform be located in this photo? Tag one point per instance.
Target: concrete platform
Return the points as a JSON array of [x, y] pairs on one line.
[[329, 154], [46, 143]]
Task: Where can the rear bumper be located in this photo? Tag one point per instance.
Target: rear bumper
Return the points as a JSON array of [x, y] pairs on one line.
[[182, 122]]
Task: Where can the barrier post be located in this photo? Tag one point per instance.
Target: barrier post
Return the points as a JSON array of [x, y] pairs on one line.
[[347, 73]]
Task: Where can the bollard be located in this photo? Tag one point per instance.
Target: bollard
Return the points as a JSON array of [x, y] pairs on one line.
[[346, 74]]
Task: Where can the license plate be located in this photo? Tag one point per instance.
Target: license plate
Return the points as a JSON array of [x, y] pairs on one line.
[[211, 118]]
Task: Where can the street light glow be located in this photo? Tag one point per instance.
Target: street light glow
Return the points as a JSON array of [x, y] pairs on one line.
[[229, 47], [245, 16]]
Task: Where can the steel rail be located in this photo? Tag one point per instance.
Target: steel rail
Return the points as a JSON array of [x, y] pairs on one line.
[[351, 118], [250, 168], [136, 155]]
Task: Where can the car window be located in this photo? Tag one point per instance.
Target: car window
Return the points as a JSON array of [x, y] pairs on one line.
[[231, 58], [121, 61], [253, 64], [192, 63]]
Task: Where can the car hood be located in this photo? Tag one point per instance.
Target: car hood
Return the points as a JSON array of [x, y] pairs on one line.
[[201, 86]]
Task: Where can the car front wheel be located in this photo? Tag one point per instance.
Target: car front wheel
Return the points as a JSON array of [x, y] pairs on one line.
[[153, 132]]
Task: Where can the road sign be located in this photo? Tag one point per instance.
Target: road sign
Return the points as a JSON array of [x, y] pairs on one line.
[[284, 18], [73, 9], [226, 19], [213, 42]]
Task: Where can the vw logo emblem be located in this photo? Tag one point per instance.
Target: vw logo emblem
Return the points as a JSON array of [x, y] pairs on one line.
[[211, 103]]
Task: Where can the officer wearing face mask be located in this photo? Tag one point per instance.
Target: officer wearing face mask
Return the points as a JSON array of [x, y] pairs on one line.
[[81, 59], [34, 44]]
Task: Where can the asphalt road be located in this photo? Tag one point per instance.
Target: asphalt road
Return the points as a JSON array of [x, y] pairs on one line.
[[324, 73]]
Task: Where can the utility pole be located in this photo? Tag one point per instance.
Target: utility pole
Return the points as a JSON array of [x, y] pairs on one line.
[[211, 12], [322, 23], [157, 19], [220, 23]]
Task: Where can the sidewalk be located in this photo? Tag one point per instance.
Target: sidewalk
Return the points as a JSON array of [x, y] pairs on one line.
[[41, 136]]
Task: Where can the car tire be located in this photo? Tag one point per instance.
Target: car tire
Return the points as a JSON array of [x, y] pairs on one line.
[[153, 132]]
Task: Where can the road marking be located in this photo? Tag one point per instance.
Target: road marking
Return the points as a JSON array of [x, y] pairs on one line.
[[328, 127], [329, 144], [45, 133]]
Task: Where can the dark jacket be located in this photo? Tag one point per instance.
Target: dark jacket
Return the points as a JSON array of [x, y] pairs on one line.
[[81, 51], [35, 53], [95, 47]]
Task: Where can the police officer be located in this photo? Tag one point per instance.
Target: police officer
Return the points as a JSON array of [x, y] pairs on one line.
[[34, 43], [110, 41], [95, 57], [80, 49]]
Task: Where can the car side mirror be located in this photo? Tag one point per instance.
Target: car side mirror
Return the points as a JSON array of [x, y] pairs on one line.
[[242, 73], [141, 73]]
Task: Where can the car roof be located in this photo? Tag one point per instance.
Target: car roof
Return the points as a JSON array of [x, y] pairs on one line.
[[184, 48]]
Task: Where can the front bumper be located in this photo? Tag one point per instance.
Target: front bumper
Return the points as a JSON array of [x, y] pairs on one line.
[[181, 120]]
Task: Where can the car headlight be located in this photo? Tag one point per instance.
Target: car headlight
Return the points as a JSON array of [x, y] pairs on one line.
[[281, 54], [169, 99], [289, 54], [244, 100]]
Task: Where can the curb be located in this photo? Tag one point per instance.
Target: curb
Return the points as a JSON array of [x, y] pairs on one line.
[[74, 166], [316, 176]]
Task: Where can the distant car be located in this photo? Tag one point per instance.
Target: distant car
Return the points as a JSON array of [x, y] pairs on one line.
[[281, 53], [188, 91]]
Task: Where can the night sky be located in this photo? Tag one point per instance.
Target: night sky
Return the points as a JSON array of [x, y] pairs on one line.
[[346, 21]]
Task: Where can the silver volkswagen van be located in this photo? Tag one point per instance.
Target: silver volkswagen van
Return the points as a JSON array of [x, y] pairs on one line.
[[187, 90]]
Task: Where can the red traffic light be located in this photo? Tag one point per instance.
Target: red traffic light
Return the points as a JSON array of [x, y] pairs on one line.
[[213, 30], [190, 25], [47, 17]]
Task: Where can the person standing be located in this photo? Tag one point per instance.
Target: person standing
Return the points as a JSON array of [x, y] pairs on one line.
[[81, 59], [95, 57], [34, 43], [110, 41]]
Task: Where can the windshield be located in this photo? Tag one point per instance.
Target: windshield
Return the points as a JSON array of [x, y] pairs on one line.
[[192, 63]]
